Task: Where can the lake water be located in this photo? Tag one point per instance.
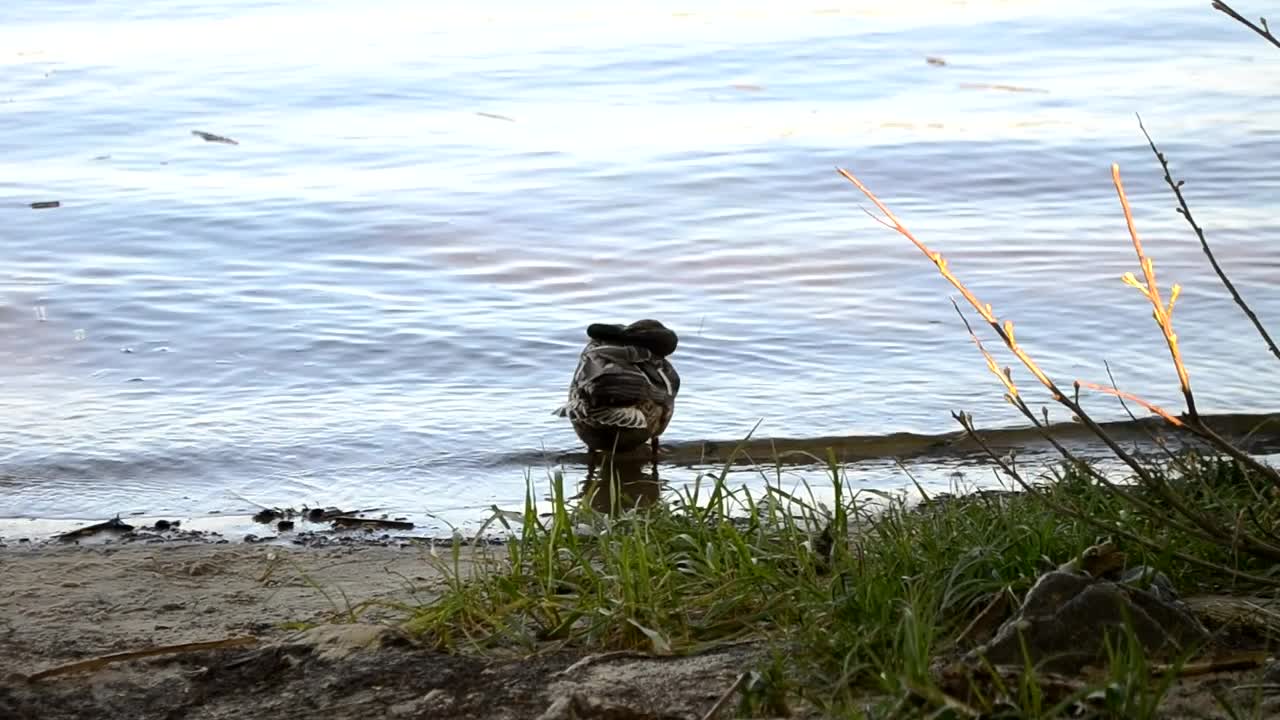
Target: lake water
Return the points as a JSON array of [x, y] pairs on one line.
[[377, 296]]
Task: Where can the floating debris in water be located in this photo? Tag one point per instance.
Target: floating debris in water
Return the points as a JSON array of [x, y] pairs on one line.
[[267, 515], [114, 524], [286, 516], [210, 137], [46, 204], [353, 521], [1006, 88]]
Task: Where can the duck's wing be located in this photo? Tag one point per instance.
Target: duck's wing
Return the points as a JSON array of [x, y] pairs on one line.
[[610, 381], [662, 374], [617, 417]]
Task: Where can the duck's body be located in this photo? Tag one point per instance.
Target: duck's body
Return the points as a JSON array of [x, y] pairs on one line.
[[623, 392]]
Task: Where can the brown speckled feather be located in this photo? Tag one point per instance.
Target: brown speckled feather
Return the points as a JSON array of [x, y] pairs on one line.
[[623, 392]]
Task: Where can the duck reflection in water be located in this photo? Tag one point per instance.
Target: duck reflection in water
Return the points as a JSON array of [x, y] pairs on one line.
[[622, 483]]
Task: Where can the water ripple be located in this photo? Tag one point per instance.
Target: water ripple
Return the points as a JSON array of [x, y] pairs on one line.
[[380, 292]]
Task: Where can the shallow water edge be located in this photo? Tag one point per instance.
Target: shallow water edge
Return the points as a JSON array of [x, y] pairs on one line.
[[947, 462]]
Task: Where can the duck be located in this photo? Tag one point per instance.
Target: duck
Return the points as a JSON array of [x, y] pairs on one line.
[[623, 392]]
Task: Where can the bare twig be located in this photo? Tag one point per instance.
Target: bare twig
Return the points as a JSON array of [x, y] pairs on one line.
[[1107, 366], [726, 696], [1185, 211], [1153, 408], [967, 423], [1005, 375], [1162, 313], [1004, 330], [1155, 438], [1264, 31], [1242, 661], [105, 660]]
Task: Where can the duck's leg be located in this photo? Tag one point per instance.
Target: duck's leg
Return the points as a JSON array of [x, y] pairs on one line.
[[591, 463], [654, 444]]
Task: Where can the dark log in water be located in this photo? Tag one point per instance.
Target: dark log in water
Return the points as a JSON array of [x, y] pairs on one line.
[[1259, 433]]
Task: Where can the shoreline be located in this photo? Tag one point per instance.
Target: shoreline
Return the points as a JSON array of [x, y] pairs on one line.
[[74, 601], [178, 622], [265, 631], [1261, 431], [214, 529]]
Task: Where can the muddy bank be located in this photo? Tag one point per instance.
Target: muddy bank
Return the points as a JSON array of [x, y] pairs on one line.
[[64, 603], [278, 605], [297, 629], [393, 680]]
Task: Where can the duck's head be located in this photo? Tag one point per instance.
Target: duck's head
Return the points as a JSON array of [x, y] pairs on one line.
[[648, 334]]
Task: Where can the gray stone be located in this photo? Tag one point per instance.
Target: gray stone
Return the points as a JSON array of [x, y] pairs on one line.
[[1066, 618]]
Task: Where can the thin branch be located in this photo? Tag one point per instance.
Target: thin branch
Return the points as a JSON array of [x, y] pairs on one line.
[[1005, 376], [1219, 442], [967, 423], [1107, 366], [1164, 318], [1185, 212], [1264, 31], [102, 661], [1199, 522], [1005, 332], [1163, 313], [727, 696], [1156, 440], [1153, 408]]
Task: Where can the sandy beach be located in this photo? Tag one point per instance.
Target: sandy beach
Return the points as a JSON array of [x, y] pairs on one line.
[[276, 629]]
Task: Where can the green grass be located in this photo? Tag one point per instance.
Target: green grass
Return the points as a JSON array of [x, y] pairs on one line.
[[854, 617]]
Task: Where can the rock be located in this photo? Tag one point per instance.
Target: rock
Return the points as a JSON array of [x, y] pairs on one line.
[[438, 699], [1066, 617], [577, 706], [1151, 580], [334, 642]]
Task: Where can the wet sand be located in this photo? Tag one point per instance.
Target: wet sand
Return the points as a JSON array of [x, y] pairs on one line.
[[306, 629], [67, 602], [291, 629]]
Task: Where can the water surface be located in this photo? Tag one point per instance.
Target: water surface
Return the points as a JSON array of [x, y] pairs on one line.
[[376, 298]]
